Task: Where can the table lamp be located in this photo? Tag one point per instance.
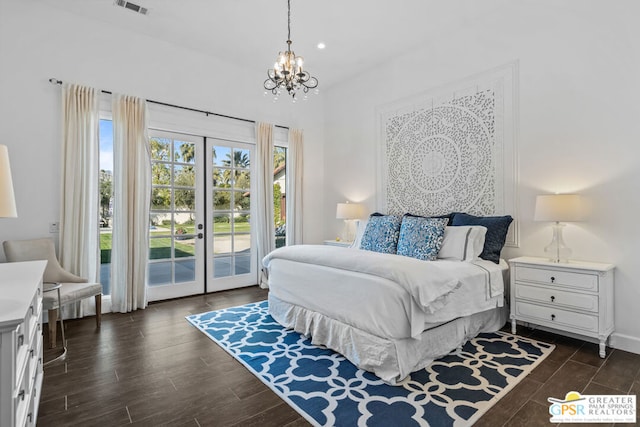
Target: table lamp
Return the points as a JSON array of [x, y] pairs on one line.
[[349, 212], [558, 208], [7, 198]]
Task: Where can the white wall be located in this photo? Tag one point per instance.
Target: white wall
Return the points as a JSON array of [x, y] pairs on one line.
[[38, 42], [579, 124]]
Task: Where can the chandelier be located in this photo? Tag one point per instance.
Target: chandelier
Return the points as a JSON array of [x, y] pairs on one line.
[[287, 73]]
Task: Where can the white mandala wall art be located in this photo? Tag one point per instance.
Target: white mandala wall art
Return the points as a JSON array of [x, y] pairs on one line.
[[452, 150]]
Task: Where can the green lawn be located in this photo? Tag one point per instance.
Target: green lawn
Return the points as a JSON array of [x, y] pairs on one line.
[[160, 248]]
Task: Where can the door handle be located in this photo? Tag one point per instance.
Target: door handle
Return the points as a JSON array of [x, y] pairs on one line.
[[200, 226], [200, 235]]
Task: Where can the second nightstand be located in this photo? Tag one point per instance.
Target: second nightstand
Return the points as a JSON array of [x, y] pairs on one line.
[[575, 297], [337, 243]]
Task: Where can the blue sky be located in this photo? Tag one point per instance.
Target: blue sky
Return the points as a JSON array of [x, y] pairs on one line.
[[106, 145]]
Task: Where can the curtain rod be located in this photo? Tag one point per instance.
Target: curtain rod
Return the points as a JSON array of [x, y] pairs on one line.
[[55, 81]]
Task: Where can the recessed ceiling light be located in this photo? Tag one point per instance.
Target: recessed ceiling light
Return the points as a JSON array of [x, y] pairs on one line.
[[321, 45]]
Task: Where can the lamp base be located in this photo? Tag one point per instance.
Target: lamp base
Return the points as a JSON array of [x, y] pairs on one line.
[[349, 230], [557, 250]]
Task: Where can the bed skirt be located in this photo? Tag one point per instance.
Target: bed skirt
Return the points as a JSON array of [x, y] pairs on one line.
[[390, 359]]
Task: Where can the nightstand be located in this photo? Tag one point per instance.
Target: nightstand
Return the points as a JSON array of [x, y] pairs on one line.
[[337, 243], [575, 297]]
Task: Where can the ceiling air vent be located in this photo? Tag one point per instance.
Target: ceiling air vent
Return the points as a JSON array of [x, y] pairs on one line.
[[131, 6]]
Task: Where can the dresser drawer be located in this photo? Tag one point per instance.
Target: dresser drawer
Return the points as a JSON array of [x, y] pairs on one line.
[[588, 282], [555, 316], [555, 297]]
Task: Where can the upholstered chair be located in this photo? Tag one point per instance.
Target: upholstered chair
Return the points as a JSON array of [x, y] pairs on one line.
[[73, 288]]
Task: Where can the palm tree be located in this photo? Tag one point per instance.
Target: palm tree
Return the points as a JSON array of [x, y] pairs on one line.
[[240, 159]]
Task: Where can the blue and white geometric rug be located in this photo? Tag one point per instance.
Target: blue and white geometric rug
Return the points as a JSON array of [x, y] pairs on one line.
[[328, 390]]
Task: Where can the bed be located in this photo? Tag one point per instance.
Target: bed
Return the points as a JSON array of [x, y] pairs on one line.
[[388, 314]]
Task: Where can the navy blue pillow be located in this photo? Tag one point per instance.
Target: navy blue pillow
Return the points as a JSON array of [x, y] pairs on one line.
[[497, 228]]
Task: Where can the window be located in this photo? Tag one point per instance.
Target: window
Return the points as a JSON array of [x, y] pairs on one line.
[[280, 194], [106, 203]]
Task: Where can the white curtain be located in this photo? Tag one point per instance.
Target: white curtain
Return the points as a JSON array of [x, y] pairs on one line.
[[132, 196], [294, 187], [265, 230], [79, 250]]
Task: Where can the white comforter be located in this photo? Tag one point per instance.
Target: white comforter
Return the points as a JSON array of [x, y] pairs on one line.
[[426, 282], [386, 295]]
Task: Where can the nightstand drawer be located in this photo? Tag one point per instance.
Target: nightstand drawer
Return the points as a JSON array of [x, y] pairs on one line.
[[553, 297], [588, 282], [552, 316]]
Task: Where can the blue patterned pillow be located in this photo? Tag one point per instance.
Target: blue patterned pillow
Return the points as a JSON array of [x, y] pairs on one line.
[[497, 228], [381, 234], [421, 237]]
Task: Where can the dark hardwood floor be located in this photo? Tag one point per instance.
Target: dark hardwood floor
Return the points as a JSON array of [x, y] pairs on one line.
[[152, 368]]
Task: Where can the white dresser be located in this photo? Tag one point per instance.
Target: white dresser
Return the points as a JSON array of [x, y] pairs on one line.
[[576, 297], [20, 342]]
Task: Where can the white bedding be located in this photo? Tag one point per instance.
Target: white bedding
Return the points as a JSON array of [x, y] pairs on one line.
[[390, 310], [350, 300]]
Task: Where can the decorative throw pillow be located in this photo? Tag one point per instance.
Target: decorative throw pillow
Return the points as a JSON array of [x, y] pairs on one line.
[[360, 227], [497, 228], [462, 243], [381, 234], [421, 237]]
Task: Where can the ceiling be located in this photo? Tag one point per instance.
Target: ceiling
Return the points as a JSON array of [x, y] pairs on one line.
[[358, 33]]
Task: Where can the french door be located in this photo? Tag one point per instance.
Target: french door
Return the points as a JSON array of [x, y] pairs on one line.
[[200, 225]]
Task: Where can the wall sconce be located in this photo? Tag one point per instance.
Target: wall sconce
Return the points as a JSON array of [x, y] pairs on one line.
[[350, 213], [557, 208], [7, 198]]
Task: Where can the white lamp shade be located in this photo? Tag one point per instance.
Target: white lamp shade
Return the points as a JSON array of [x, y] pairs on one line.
[[7, 199], [559, 207], [348, 211]]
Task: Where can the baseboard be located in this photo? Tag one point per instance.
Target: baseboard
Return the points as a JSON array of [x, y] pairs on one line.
[[616, 340], [625, 342]]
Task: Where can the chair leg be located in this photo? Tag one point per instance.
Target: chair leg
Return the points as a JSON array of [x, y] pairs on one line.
[[98, 311], [53, 320]]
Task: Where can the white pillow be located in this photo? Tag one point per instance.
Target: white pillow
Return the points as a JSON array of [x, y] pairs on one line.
[[463, 242], [361, 225]]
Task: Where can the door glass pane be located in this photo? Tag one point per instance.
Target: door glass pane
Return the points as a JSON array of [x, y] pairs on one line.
[[221, 200], [184, 152], [220, 154], [242, 180], [222, 267], [243, 264], [185, 271], [160, 248], [184, 176], [184, 246], [241, 158], [222, 244], [241, 243], [185, 200], [160, 273], [160, 149], [160, 199]]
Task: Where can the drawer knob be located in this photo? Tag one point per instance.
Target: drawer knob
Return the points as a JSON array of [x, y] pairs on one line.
[[20, 340], [21, 395], [553, 298], [553, 279], [553, 317], [30, 416]]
